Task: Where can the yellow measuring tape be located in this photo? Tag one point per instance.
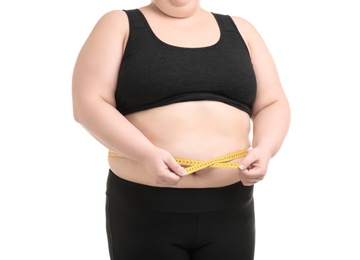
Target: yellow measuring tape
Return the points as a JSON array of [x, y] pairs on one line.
[[196, 165]]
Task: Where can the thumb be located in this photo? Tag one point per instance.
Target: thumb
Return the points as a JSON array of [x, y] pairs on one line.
[[175, 167], [245, 162]]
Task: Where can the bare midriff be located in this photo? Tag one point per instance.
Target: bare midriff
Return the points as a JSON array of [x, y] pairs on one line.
[[200, 130]]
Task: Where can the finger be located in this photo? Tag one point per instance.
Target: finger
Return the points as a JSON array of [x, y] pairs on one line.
[[249, 178], [171, 181], [246, 161], [250, 181], [255, 174], [246, 182], [175, 167], [173, 178], [168, 178]]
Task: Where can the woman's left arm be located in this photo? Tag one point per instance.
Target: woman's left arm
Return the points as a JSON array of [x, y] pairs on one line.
[[271, 110]]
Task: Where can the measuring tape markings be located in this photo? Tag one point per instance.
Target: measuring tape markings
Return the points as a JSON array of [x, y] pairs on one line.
[[196, 165], [222, 160]]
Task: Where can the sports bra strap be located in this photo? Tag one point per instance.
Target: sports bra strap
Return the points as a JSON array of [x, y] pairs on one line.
[[135, 19], [225, 22]]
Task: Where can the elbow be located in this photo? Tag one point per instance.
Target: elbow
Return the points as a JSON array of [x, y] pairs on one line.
[[77, 115], [80, 109]]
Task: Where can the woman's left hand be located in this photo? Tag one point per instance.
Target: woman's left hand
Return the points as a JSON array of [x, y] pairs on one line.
[[253, 166]]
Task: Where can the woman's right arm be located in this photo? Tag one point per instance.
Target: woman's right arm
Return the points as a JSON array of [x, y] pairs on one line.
[[93, 93]]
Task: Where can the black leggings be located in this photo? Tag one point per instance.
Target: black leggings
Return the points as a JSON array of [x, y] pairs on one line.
[[145, 222]]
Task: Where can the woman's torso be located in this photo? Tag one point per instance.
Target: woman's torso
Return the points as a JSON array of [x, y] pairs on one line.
[[195, 129], [199, 130]]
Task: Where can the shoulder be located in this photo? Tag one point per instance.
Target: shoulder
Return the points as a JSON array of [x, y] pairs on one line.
[[244, 26], [111, 28], [242, 22], [118, 15], [248, 31], [115, 19], [107, 38]]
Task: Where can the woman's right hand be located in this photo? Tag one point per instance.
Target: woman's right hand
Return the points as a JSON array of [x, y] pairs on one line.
[[163, 168]]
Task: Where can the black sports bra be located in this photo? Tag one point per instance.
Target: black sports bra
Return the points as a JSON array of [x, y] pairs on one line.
[[154, 73]]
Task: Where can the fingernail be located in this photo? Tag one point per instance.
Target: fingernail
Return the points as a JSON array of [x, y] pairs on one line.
[[242, 166], [184, 172]]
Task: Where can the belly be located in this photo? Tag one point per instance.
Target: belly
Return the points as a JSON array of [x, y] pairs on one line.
[[200, 130]]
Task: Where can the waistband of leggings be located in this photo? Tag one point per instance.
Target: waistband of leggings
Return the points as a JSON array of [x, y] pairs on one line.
[[180, 200]]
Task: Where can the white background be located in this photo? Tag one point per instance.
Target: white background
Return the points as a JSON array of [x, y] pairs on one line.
[[53, 173]]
